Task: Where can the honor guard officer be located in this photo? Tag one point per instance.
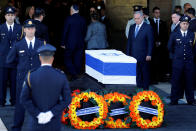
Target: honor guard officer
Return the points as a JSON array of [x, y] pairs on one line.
[[10, 33], [24, 54], [41, 29], [181, 46], [45, 93]]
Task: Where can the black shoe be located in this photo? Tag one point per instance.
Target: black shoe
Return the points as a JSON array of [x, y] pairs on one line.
[[173, 103], [192, 103]]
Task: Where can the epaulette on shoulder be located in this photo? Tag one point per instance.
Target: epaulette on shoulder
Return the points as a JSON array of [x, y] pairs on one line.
[[60, 71]]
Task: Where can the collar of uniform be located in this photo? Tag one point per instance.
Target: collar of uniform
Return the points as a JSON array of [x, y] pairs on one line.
[[156, 19], [46, 65], [182, 32], [8, 26], [28, 41]]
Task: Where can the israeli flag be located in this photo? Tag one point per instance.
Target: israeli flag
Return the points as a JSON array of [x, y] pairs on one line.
[[111, 66]]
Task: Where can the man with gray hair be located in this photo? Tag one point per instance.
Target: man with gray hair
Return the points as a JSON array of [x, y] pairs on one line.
[[73, 41], [139, 46]]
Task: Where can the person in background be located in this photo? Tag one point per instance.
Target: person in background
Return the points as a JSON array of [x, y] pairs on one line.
[[10, 33], [186, 7], [160, 53], [41, 29], [178, 9], [29, 12], [96, 37], [73, 42]]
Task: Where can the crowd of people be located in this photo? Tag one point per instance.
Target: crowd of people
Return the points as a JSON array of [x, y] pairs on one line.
[[24, 46]]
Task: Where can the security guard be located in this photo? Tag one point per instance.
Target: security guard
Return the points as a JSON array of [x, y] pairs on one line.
[[10, 33], [45, 93], [24, 54], [41, 29], [181, 46]]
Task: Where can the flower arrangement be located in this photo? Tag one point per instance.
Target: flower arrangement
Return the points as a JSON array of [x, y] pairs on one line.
[[103, 106], [85, 97], [146, 96], [117, 97]]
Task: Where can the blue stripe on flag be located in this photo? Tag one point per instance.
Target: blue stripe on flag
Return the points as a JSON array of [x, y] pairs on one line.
[[121, 69]]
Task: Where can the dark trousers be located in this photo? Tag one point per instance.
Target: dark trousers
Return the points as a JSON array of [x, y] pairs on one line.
[[182, 70], [19, 109], [143, 75], [73, 60], [7, 74]]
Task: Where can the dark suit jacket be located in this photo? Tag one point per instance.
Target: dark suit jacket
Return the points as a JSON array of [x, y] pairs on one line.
[[74, 32], [163, 34], [41, 31], [49, 91], [6, 44], [142, 45]]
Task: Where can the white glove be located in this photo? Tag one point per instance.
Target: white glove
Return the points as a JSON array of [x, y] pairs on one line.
[[44, 118], [49, 116], [41, 118]]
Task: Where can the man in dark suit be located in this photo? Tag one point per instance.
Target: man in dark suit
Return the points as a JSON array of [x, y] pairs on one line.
[[160, 53], [42, 92], [139, 46], [175, 22], [73, 41], [191, 13], [24, 55], [10, 33], [181, 46], [41, 29]]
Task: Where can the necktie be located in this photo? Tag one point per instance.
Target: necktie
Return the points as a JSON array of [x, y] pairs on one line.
[[136, 30], [30, 46], [184, 34], [157, 24], [10, 34]]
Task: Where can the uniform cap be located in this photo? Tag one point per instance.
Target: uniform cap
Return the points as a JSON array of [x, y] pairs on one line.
[[10, 10], [46, 50], [185, 18], [29, 23]]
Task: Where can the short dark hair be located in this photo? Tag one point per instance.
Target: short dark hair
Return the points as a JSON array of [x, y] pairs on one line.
[[191, 11], [177, 13], [155, 8], [178, 7]]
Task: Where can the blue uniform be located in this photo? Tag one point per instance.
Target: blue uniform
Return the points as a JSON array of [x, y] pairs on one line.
[[139, 47], [25, 61], [43, 93], [182, 65], [73, 39], [8, 71]]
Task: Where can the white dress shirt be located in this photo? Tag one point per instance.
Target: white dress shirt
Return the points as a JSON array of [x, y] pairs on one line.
[[28, 42]]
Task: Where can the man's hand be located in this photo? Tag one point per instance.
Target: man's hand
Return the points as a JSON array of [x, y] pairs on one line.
[[148, 58]]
